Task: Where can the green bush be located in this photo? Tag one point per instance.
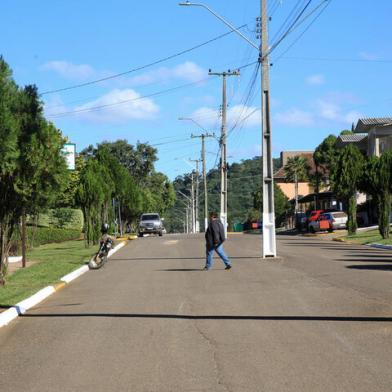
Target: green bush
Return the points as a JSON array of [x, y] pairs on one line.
[[66, 218], [37, 236], [47, 235]]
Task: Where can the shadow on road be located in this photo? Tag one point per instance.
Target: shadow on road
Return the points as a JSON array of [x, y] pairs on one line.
[[182, 258], [383, 267], [365, 259], [217, 317], [181, 269]]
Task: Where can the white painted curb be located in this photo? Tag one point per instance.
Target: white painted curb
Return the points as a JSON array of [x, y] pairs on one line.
[[21, 307], [74, 274], [116, 248], [14, 259], [380, 246]]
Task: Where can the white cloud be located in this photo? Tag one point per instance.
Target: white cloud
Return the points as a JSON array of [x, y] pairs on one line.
[[188, 71], [246, 116], [69, 70], [334, 112], [368, 56], [119, 106], [239, 115], [315, 80], [295, 117], [328, 110]]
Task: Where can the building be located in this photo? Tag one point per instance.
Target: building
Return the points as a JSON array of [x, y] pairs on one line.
[[373, 136], [288, 188]]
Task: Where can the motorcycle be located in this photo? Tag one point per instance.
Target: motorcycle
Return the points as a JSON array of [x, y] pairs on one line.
[[101, 257]]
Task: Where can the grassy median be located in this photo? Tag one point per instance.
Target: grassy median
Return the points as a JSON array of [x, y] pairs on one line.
[[49, 263], [368, 237]]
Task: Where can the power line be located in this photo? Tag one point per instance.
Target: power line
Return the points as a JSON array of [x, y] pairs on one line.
[[161, 92], [99, 107], [335, 59], [326, 2], [139, 68], [290, 28]]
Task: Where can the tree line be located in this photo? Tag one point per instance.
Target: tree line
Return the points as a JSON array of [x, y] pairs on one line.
[[244, 195], [113, 182], [348, 171]]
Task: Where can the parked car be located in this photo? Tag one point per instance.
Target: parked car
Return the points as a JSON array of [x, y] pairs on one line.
[[150, 223], [321, 223], [329, 221], [301, 221], [337, 219], [314, 215]]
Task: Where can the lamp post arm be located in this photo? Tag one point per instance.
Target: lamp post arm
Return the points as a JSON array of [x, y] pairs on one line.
[[224, 21]]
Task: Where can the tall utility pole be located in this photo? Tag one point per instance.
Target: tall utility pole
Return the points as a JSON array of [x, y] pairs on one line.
[[223, 163], [193, 206], [197, 223], [203, 159], [269, 238]]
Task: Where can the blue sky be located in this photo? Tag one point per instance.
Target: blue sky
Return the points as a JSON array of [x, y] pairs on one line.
[[338, 71]]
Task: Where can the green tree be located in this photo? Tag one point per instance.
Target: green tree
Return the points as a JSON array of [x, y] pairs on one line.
[[282, 204], [139, 159], [385, 178], [296, 170], [93, 196], [346, 177], [376, 181], [33, 169], [9, 152]]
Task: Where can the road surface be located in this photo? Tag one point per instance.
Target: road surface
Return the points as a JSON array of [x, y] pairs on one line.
[[319, 319]]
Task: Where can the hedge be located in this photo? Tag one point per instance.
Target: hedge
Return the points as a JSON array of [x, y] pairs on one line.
[[37, 236], [60, 218]]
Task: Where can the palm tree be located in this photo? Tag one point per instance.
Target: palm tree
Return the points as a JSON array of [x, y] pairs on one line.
[[296, 170]]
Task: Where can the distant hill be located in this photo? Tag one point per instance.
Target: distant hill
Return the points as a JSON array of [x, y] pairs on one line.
[[244, 179]]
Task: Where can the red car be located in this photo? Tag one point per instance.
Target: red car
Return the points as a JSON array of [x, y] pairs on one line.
[[314, 215]]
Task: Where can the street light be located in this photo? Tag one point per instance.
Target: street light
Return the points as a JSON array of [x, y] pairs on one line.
[[188, 3], [191, 119], [269, 235]]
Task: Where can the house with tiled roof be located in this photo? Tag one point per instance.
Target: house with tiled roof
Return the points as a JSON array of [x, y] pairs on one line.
[[373, 136], [288, 188]]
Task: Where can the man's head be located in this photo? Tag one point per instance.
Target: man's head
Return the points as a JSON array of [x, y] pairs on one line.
[[104, 228], [213, 215]]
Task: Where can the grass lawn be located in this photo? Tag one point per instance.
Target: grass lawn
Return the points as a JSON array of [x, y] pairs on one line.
[[53, 261], [368, 237]]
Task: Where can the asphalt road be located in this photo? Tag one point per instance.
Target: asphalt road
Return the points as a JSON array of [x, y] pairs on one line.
[[319, 319]]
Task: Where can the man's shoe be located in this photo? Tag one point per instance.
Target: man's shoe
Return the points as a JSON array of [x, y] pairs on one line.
[[228, 267], [206, 269]]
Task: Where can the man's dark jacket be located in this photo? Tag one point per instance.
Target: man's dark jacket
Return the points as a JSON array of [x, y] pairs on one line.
[[215, 234]]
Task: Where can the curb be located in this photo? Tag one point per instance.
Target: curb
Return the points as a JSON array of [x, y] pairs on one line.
[[380, 246], [21, 307]]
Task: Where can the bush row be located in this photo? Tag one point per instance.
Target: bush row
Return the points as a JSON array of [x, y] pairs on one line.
[[61, 218], [43, 235]]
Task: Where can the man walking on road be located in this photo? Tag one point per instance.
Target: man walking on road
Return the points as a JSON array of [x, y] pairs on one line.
[[215, 236]]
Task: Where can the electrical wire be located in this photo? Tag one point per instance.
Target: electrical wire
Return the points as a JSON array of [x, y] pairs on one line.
[[327, 3], [99, 107], [139, 68]]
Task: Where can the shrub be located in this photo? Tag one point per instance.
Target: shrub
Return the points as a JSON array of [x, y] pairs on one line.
[[37, 236]]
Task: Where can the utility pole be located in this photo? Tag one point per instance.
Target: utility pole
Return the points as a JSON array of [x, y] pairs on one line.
[[193, 205], [203, 159], [269, 237], [187, 219], [223, 164], [197, 223]]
